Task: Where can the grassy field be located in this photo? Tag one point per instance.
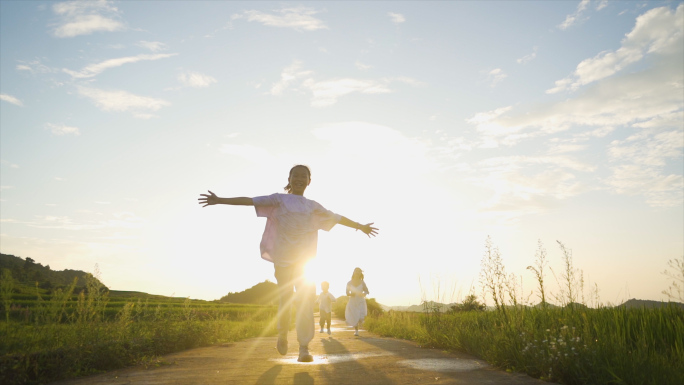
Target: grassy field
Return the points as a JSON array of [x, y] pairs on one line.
[[569, 346], [45, 338], [569, 342]]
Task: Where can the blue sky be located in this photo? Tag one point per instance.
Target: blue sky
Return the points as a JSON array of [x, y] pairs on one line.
[[442, 122]]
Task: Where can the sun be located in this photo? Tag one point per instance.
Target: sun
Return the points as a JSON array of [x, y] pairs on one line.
[[313, 271]]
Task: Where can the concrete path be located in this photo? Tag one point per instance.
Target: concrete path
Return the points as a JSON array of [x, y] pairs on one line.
[[339, 359]]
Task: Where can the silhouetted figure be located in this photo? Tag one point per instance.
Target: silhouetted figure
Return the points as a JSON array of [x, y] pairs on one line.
[[325, 300], [356, 309], [289, 242]]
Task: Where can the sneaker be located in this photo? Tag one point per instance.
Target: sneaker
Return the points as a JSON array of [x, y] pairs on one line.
[[282, 344], [304, 355], [328, 331], [321, 330], [356, 333]]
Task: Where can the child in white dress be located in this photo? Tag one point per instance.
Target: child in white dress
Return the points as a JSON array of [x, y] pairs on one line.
[[325, 301], [289, 242], [356, 309]]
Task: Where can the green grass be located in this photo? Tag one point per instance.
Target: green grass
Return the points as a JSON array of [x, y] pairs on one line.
[[570, 344], [587, 346], [63, 335]]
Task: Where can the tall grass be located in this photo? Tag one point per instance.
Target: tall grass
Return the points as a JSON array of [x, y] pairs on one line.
[[569, 344], [66, 335]]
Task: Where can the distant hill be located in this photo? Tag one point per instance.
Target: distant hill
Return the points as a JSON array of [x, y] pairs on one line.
[[264, 293], [630, 304], [27, 272], [420, 308], [643, 303]]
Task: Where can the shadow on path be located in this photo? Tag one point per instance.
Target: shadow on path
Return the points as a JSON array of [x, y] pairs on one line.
[[269, 376], [344, 366], [455, 365], [303, 379]]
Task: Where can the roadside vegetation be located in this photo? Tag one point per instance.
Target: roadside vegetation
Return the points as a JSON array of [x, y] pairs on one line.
[[57, 333], [567, 341]]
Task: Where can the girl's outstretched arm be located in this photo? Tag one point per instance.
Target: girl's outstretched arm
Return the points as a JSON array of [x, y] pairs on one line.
[[212, 199], [367, 228]]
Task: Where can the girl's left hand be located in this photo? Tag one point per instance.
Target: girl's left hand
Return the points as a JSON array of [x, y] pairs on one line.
[[369, 230]]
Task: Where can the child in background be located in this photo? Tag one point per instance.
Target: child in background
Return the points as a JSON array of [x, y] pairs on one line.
[[325, 301], [356, 309], [289, 242]]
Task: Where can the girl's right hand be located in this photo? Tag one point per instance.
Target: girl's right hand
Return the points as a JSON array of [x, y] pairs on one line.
[[208, 199]]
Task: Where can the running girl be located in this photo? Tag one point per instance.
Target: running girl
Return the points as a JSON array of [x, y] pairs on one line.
[[289, 242]]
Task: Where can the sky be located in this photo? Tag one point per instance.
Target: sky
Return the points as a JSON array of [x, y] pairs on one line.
[[444, 123]]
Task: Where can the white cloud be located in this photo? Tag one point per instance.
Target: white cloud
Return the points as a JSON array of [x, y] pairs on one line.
[[11, 99], [651, 147], [6, 162], [659, 190], [196, 79], [396, 18], [575, 16], [153, 46], [526, 185], [495, 76], [361, 66], [34, 66], [659, 30], [288, 76], [326, 93], [62, 129], [407, 80], [643, 110], [528, 58], [650, 97], [95, 69], [483, 117], [119, 101], [299, 18], [601, 4], [85, 17]]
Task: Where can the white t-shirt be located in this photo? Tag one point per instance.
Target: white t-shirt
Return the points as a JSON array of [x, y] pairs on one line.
[[325, 301], [292, 224]]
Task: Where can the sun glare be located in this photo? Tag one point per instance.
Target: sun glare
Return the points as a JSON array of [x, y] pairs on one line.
[[313, 271]]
